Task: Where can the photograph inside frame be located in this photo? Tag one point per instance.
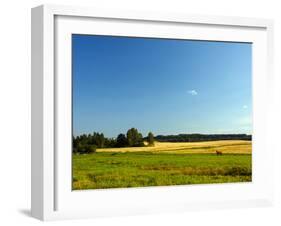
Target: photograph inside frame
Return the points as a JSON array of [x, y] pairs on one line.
[[159, 112]]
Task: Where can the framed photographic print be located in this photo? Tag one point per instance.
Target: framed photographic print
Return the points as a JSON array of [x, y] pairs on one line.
[[137, 112]]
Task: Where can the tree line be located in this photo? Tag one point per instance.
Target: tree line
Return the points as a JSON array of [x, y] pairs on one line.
[[88, 143], [201, 137]]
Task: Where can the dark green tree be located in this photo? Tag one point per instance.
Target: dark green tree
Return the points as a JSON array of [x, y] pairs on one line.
[[110, 142], [100, 140], [140, 141], [97, 139], [86, 149], [150, 139], [121, 140], [134, 138]]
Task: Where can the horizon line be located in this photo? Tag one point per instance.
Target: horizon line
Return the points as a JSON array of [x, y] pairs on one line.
[[247, 134]]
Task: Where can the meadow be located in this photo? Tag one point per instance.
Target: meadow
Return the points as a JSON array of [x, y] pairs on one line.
[[165, 163]]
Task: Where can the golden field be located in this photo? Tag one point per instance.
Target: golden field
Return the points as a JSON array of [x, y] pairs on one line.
[[207, 147]]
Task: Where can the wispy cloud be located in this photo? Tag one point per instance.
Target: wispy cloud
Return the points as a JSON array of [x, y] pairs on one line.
[[193, 92]]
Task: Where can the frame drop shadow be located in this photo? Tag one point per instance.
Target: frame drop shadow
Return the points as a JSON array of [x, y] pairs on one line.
[[26, 212]]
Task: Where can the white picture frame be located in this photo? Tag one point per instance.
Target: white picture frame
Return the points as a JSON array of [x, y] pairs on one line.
[[52, 197]]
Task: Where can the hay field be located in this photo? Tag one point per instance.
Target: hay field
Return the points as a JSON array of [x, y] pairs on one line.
[[226, 146]]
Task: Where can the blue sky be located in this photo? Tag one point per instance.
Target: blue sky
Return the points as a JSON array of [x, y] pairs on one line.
[[160, 85]]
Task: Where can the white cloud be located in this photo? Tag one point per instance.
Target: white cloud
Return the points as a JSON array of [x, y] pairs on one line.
[[245, 106], [192, 92]]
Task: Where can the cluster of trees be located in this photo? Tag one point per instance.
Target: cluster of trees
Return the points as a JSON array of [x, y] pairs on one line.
[[201, 137], [84, 144], [89, 143]]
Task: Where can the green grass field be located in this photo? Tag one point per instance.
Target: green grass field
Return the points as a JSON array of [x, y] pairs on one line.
[[195, 163]]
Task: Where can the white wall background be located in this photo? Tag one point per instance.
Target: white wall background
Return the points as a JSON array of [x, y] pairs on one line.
[[15, 111]]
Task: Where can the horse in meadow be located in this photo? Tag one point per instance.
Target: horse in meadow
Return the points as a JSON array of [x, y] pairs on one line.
[[218, 152]]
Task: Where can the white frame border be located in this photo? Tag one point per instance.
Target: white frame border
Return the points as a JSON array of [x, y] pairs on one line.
[[43, 86]]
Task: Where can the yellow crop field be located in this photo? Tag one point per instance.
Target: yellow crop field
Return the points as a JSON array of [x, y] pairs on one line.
[[207, 147]]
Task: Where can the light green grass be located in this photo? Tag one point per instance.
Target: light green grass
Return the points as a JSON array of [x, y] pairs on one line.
[[140, 169]]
